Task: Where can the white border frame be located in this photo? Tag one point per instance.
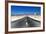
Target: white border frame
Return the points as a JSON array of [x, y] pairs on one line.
[[23, 29]]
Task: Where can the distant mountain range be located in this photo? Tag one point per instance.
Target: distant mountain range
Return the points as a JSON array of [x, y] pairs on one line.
[[22, 14]]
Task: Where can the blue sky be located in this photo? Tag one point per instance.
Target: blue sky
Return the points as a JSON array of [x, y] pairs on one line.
[[15, 10]]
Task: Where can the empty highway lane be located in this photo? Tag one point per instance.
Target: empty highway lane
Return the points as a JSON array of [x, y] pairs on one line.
[[25, 22]]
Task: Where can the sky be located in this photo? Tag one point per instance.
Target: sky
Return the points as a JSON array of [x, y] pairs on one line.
[[23, 10]]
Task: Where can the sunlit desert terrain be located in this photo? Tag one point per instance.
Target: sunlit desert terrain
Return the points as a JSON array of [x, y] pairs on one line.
[[13, 18], [25, 21]]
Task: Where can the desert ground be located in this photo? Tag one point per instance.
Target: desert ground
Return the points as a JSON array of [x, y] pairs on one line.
[[25, 21], [31, 16]]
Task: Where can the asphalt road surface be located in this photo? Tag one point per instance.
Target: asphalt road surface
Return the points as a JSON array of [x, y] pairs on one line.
[[25, 22]]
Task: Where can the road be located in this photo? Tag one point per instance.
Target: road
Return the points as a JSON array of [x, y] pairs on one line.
[[25, 22]]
